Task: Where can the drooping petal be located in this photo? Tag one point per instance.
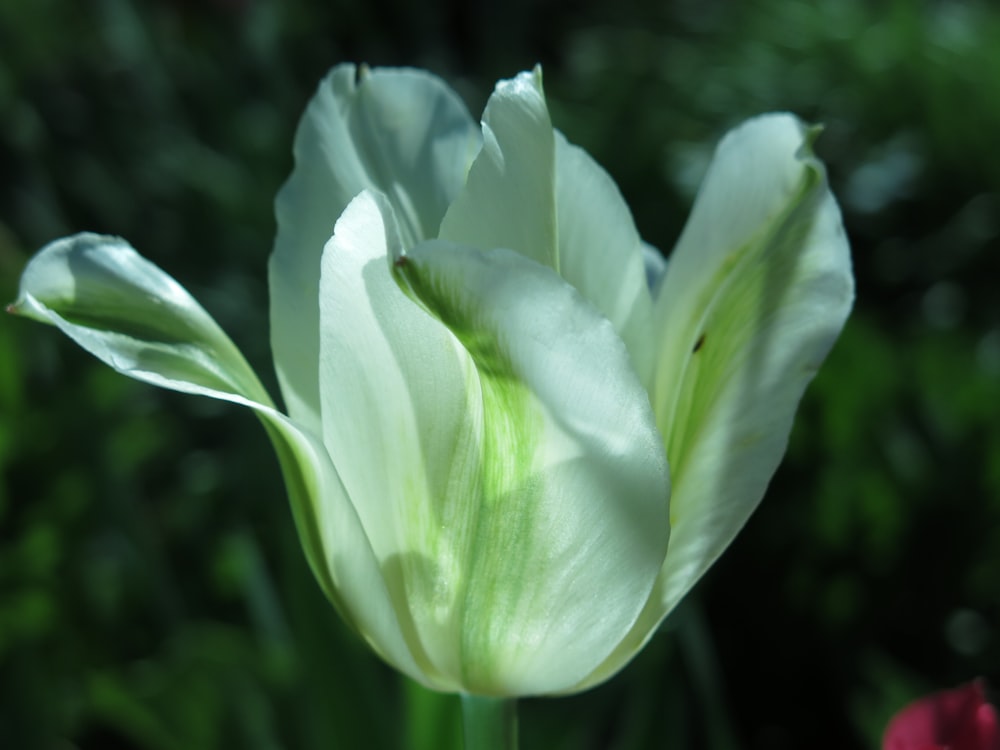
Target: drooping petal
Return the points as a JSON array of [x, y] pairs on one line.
[[563, 523], [509, 197], [123, 309], [754, 296], [401, 132], [600, 252], [137, 319]]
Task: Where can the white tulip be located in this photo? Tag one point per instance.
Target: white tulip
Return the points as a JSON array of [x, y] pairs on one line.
[[483, 393]]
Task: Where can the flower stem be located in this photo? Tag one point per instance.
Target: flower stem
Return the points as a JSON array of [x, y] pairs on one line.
[[490, 723]]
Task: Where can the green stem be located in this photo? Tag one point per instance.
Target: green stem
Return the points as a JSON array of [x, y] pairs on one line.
[[490, 723]]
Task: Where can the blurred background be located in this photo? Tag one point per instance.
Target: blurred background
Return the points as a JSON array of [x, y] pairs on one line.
[[153, 594]]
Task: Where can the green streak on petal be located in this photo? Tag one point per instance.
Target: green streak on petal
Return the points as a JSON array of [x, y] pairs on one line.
[[503, 524], [564, 504], [507, 483], [737, 303]]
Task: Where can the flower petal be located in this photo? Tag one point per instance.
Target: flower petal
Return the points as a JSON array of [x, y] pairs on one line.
[[754, 296], [137, 319], [402, 132], [395, 413], [126, 311], [509, 196], [565, 515], [600, 252]]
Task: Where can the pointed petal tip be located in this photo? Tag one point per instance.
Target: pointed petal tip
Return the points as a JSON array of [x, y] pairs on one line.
[[526, 82], [807, 132], [806, 152], [813, 131]]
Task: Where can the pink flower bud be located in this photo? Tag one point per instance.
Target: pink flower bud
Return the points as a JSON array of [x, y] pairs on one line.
[[958, 719]]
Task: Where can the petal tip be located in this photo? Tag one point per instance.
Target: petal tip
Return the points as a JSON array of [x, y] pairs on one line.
[[527, 82]]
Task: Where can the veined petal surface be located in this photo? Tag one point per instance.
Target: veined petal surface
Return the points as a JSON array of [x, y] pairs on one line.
[[754, 295], [130, 314], [564, 488], [509, 197], [398, 131]]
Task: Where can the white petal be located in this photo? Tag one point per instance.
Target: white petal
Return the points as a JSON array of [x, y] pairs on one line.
[[755, 294], [509, 197], [395, 410], [339, 552], [565, 519], [137, 319], [123, 309], [600, 252], [401, 132]]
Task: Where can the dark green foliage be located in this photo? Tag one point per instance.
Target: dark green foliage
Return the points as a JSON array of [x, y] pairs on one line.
[[152, 592]]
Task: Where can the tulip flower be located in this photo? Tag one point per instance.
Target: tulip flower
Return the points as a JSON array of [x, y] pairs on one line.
[[958, 719], [514, 436]]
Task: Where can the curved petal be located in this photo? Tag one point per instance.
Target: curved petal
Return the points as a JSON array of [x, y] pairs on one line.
[[126, 311], [755, 294], [509, 197], [563, 521], [137, 319], [600, 252], [401, 132], [395, 416]]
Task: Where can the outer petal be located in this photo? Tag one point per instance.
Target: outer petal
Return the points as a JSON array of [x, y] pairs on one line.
[[134, 317], [563, 520], [754, 296], [509, 198], [396, 415], [600, 252], [402, 132]]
